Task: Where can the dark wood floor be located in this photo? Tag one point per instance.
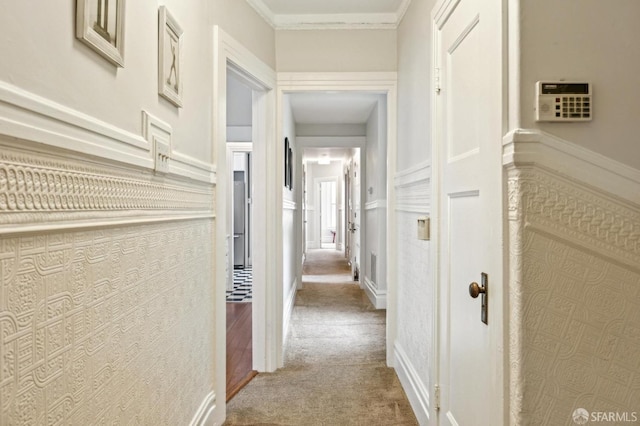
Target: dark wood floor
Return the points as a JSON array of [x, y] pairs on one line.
[[239, 358]]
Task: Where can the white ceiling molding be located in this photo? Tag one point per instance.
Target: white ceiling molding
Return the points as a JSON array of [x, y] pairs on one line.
[[315, 21]]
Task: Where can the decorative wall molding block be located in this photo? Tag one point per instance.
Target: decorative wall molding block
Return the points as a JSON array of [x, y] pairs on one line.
[[413, 386], [155, 130], [30, 117], [41, 191], [104, 325], [574, 280], [413, 189]]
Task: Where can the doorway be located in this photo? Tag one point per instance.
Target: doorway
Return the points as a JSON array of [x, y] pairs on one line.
[[328, 213]]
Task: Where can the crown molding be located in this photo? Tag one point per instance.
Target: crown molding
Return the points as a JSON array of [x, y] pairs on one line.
[[337, 21]]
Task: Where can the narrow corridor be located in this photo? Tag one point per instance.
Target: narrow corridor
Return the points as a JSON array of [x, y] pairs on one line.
[[335, 371]]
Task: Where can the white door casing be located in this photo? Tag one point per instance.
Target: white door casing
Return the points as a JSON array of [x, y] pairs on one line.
[[468, 188], [228, 53]]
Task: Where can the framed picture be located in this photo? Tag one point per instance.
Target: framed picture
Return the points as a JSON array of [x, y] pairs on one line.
[[290, 162], [286, 162], [169, 54], [100, 25]]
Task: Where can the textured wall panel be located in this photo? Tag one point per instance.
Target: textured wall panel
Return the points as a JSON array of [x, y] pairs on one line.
[[581, 337], [42, 189], [574, 297], [106, 326]]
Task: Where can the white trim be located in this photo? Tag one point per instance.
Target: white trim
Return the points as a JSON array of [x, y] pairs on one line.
[[413, 189], [377, 297], [27, 116], [333, 141], [229, 55], [289, 205], [349, 81], [288, 310], [375, 204], [344, 21], [191, 167], [418, 173], [532, 147], [208, 405], [413, 386], [99, 222]]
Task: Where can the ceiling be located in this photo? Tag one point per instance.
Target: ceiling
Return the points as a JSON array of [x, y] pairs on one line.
[[332, 108], [321, 14]]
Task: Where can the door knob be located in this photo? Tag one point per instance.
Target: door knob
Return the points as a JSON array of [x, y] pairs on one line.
[[475, 289]]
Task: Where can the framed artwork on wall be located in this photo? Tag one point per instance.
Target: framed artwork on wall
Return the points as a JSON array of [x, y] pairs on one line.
[[290, 162], [169, 54], [100, 25], [286, 162]]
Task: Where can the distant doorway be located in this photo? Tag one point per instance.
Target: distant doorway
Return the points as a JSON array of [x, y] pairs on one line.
[[328, 214]]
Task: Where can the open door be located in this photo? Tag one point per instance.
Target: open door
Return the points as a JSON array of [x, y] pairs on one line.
[[468, 154]]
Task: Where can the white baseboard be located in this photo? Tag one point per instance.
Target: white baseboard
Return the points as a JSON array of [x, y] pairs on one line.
[[203, 416], [288, 311], [378, 297], [416, 391]]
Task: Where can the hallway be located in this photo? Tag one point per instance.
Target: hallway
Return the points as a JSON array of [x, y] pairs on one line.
[[335, 370]]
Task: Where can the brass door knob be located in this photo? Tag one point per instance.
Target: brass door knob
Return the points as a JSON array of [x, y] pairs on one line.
[[475, 290]]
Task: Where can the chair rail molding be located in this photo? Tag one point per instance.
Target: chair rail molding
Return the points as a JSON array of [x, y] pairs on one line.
[[413, 189], [25, 115]]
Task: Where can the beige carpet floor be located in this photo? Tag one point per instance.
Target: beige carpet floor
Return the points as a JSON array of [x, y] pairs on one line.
[[335, 372]]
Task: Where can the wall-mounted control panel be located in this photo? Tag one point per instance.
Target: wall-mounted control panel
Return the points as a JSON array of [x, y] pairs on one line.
[[563, 101]]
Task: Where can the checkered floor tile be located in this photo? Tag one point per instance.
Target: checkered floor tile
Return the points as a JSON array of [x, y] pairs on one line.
[[242, 283]]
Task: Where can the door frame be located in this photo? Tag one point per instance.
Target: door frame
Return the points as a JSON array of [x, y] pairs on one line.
[[317, 182], [384, 83], [499, 363], [232, 148], [228, 53]]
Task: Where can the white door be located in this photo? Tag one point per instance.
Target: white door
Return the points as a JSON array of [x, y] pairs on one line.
[[468, 154], [356, 261]]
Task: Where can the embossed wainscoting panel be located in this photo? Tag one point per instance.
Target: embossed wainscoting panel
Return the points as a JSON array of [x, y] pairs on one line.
[[107, 325], [581, 332], [574, 290]]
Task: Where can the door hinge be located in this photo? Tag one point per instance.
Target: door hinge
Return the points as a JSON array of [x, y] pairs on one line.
[[436, 397], [436, 80]]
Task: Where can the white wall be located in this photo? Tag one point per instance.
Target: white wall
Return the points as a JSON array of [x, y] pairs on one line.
[[376, 204], [586, 40], [239, 110], [129, 303], [247, 27], [414, 293], [414, 77], [336, 50]]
